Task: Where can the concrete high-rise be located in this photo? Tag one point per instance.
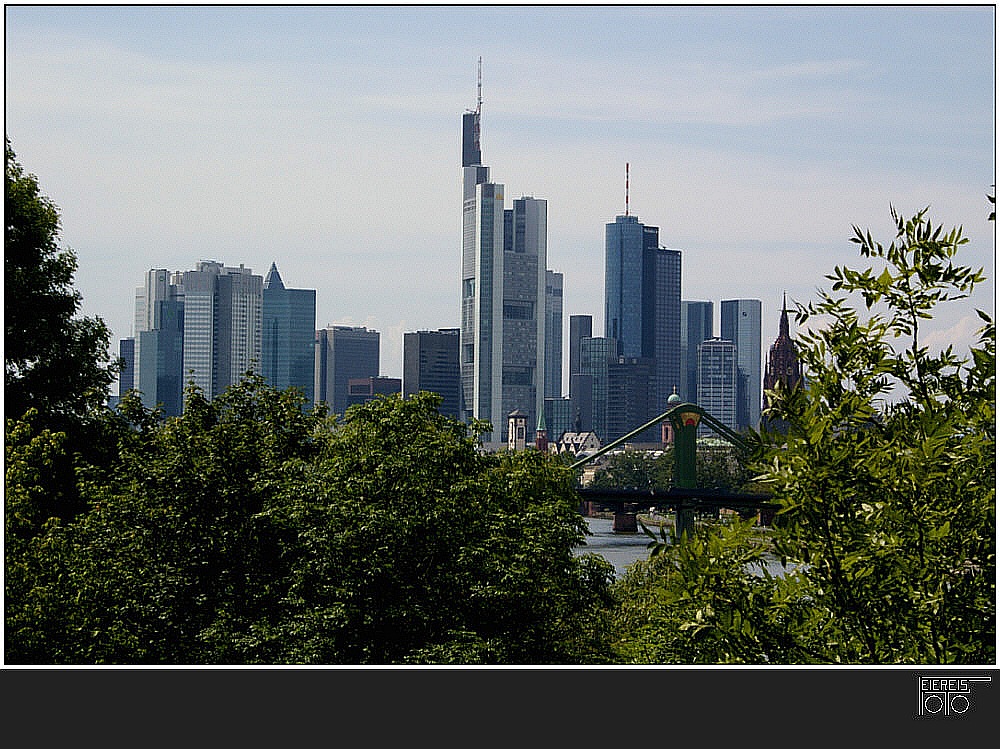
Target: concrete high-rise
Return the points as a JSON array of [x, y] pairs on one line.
[[430, 363], [288, 345], [697, 325], [502, 354], [741, 324], [343, 353]]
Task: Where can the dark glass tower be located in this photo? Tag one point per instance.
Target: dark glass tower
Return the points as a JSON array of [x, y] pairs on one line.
[[642, 303], [697, 325], [288, 344], [344, 353], [430, 362]]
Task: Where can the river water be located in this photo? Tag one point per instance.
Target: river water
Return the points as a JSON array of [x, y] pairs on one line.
[[622, 549]]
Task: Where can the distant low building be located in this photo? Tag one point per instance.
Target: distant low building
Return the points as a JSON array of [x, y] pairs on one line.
[[577, 444]]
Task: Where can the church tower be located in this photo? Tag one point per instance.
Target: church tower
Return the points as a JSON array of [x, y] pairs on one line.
[[783, 365]]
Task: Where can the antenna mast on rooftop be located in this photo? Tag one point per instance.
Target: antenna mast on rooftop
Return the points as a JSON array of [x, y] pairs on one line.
[[626, 188], [479, 87]]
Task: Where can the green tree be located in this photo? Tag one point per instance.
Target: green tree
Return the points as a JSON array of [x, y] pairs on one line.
[[886, 481], [54, 360], [250, 531]]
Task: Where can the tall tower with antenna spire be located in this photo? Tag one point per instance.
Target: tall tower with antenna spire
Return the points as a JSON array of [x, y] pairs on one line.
[[471, 120], [642, 303], [502, 336]]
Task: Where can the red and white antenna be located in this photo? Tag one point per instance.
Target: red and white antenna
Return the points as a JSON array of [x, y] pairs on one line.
[[626, 188]]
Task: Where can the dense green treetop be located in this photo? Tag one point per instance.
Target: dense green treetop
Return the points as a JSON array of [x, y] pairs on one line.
[[54, 361]]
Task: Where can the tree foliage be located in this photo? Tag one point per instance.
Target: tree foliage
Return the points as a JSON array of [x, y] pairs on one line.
[[54, 360], [250, 530], [887, 485]]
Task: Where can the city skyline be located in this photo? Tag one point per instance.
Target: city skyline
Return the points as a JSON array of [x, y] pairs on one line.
[[756, 138]]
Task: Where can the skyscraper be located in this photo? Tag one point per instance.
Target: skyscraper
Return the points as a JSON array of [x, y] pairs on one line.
[[596, 358], [430, 362], [126, 378], [343, 353], [161, 359], [741, 324], [717, 379], [697, 325], [201, 326], [223, 308], [580, 326], [553, 334], [642, 302], [288, 346], [502, 354]]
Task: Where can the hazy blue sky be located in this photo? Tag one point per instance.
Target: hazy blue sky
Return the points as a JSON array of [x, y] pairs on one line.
[[328, 139]]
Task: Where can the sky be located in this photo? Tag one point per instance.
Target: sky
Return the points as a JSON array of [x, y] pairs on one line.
[[327, 139]]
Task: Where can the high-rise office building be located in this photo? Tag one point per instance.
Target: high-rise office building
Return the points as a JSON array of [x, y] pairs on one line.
[[223, 321], [430, 363], [126, 378], [343, 353], [697, 325], [642, 301], [717, 379], [580, 326], [502, 354], [596, 357], [631, 399], [156, 287], [581, 386], [364, 389], [741, 324], [201, 326], [161, 359], [288, 345], [560, 417], [553, 334]]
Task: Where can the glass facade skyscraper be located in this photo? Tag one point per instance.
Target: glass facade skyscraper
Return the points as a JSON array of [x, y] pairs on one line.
[[717, 379], [209, 317], [741, 324], [642, 303], [343, 353], [503, 300], [288, 347], [596, 357], [553, 334], [430, 362], [697, 325]]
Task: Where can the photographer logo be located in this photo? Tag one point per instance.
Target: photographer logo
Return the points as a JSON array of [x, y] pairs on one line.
[[946, 695]]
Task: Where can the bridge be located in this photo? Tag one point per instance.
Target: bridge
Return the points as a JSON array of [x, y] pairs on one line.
[[685, 499]]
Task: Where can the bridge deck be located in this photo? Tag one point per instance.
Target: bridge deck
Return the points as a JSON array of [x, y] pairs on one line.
[[677, 498]]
